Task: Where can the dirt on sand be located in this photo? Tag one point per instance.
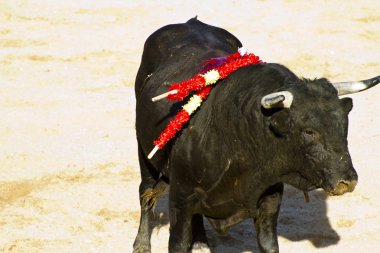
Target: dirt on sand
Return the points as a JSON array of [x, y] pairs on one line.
[[69, 173]]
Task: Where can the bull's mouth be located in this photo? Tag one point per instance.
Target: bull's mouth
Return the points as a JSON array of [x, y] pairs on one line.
[[300, 182]]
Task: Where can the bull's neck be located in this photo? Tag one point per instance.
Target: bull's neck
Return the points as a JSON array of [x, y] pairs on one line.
[[234, 132], [235, 121], [237, 127]]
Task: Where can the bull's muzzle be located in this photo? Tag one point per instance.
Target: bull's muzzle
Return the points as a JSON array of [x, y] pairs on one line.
[[344, 186]]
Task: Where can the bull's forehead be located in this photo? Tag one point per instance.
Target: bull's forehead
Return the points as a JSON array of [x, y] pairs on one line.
[[320, 91], [325, 115], [319, 116], [317, 87], [316, 104]]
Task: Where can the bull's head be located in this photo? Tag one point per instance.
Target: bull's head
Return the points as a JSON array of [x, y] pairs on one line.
[[316, 121]]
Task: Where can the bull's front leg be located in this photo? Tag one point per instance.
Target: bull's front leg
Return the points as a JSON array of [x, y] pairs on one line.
[[142, 241], [149, 177], [181, 212], [199, 242], [266, 219]]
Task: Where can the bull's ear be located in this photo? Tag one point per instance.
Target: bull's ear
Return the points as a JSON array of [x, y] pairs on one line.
[[346, 104], [280, 122]]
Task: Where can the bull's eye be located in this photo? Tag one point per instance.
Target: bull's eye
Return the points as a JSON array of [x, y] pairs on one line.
[[311, 134]]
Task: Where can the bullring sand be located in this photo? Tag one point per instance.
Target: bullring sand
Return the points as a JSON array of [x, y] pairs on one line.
[[69, 173]]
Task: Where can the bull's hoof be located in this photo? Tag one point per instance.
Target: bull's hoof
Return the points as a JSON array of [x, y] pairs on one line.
[[141, 249], [200, 247], [275, 250]]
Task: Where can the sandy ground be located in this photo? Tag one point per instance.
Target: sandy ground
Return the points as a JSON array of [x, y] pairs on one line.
[[68, 166]]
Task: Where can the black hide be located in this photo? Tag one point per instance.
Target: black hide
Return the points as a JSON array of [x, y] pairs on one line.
[[230, 162]]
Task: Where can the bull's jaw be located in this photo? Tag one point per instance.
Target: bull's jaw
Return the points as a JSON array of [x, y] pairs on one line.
[[298, 181]]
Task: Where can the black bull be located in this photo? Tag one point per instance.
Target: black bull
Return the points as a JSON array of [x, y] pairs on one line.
[[231, 161]]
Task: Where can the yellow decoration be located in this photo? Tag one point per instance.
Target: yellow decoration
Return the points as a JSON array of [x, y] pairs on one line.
[[211, 77], [194, 102]]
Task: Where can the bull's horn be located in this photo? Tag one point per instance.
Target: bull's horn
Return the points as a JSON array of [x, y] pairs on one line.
[[282, 99], [345, 88]]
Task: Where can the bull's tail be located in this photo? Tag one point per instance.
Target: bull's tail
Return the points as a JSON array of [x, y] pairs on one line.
[[150, 197]]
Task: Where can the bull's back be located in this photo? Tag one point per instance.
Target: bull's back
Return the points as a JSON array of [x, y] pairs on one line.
[[176, 44], [173, 54]]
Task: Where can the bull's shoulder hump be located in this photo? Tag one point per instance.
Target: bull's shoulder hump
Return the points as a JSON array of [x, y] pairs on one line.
[[217, 32], [193, 30]]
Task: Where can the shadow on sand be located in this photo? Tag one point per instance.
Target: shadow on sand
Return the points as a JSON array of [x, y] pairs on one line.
[[298, 221]]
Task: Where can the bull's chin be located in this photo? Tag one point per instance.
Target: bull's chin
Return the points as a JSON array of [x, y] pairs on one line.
[[329, 191], [334, 193]]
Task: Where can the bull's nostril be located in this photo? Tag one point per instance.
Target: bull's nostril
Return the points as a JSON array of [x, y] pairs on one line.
[[342, 187], [343, 182], [346, 186]]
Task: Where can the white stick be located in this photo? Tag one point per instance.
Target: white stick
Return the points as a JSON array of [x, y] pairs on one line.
[[242, 51], [162, 96], [151, 154]]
